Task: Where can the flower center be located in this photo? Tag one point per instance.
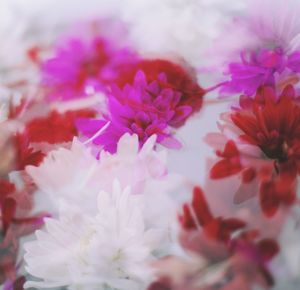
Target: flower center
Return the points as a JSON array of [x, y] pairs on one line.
[[276, 150]]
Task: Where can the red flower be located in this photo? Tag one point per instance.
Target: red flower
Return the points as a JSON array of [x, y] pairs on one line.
[[198, 214], [56, 127], [218, 238], [270, 125]]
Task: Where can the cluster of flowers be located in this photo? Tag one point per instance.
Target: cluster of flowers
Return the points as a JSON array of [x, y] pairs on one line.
[[89, 142]]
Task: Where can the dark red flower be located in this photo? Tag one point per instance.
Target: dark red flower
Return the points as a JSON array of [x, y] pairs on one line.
[[218, 238], [267, 146]]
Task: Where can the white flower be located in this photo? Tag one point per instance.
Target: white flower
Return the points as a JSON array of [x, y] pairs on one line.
[[75, 176], [110, 250]]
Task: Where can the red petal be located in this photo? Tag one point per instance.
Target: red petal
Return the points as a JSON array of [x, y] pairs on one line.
[[225, 168], [200, 206], [268, 248], [186, 220], [56, 127], [201, 211], [230, 150], [269, 201], [25, 154], [248, 175], [8, 208], [6, 188], [19, 283], [229, 165]]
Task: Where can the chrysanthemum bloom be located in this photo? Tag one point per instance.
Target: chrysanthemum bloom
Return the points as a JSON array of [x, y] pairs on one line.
[[75, 176], [109, 250], [260, 140], [163, 75], [82, 67], [262, 68], [156, 96], [230, 255], [268, 47]]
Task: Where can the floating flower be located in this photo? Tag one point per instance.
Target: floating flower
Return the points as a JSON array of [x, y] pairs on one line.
[[82, 67], [261, 141], [108, 250], [267, 43], [221, 253], [134, 111], [163, 95]]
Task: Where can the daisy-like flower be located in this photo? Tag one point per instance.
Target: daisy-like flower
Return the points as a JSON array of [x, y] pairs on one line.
[[76, 176], [81, 67], [267, 41], [109, 250], [260, 140], [157, 95]]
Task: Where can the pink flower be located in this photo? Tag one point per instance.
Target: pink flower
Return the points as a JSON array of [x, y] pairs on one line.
[[155, 96], [264, 47], [260, 68], [144, 108], [82, 67]]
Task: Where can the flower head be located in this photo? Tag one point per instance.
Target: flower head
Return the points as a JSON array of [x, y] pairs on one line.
[[269, 51], [139, 109], [82, 67], [156, 96], [111, 249], [221, 253], [262, 145]]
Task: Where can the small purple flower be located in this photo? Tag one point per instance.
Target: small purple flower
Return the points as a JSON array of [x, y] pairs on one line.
[[143, 109]]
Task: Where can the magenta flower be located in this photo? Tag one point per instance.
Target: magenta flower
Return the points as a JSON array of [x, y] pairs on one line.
[[143, 108], [267, 40], [258, 69], [82, 67]]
